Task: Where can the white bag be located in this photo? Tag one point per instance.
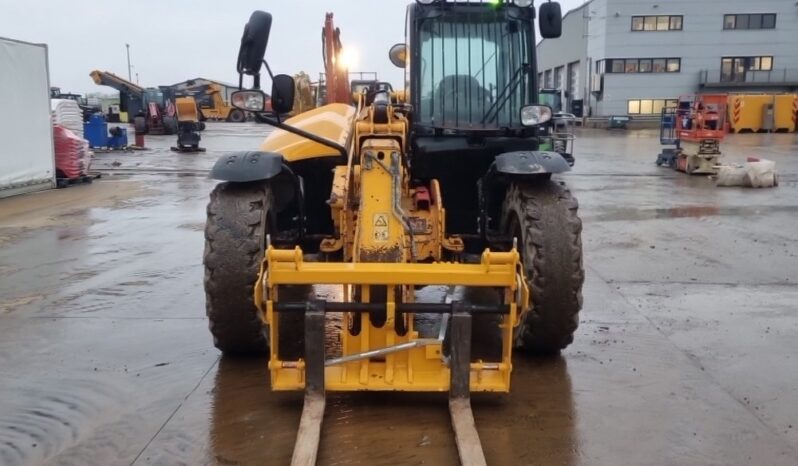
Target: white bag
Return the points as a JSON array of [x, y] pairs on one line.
[[761, 174], [732, 175]]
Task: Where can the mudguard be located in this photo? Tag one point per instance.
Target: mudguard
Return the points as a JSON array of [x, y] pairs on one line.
[[241, 167], [531, 163]]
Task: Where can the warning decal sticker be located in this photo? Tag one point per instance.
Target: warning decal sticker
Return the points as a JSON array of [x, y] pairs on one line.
[[381, 232]]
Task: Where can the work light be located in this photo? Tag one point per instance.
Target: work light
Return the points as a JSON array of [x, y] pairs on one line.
[[533, 115]]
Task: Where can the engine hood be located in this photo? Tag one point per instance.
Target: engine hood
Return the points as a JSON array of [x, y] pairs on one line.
[[333, 122]]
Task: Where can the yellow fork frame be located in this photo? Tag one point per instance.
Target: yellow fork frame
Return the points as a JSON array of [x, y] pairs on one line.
[[419, 368]]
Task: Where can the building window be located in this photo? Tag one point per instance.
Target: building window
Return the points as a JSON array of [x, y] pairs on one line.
[[657, 23], [558, 75], [649, 106], [735, 69], [641, 65], [750, 21]]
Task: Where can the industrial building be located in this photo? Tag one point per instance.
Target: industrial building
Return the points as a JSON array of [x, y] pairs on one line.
[[633, 57]]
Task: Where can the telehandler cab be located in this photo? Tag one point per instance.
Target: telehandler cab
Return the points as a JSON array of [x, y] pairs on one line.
[[439, 184]]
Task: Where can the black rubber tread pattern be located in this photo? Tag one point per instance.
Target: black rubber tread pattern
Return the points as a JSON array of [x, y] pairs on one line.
[[236, 116], [169, 125], [234, 243], [551, 248]]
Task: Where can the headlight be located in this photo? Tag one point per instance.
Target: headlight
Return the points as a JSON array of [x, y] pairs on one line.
[[523, 3], [252, 100], [533, 115]]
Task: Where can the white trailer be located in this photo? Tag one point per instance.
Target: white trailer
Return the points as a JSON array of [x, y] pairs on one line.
[[27, 158]]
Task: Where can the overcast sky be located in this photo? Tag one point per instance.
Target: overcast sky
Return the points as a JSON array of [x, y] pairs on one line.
[[171, 41]]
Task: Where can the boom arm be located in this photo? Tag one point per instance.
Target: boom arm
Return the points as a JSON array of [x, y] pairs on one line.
[[336, 75], [104, 78]]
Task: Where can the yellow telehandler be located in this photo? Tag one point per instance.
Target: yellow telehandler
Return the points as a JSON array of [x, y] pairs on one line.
[[440, 184]]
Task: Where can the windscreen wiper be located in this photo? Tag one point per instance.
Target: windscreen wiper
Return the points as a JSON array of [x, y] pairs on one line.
[[507, 91]]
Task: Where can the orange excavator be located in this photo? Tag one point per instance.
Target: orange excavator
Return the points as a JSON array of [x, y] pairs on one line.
[[333, 85], [335, 82]]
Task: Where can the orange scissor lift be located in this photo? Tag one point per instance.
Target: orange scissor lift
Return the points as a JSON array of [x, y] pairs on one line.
[[700, 126], [695, 129]]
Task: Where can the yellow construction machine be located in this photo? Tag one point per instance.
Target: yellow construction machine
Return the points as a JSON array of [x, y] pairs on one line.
[[188, 125], [322, 247], [212, 103]]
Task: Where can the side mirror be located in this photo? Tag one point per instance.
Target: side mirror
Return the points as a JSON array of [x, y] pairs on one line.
[[398, 55], [253, 43], [550, 20], [283, 94], [249, 101]]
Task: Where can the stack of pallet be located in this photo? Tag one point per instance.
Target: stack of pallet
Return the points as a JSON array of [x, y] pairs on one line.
[[68, 114]]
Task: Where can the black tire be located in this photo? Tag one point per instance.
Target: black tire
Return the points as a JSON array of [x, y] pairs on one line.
[[235, 238], [170, 125], [543, 216], [140, 125], [236, 116]]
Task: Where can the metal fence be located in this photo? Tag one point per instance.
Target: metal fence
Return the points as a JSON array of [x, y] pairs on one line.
[[772, 77]]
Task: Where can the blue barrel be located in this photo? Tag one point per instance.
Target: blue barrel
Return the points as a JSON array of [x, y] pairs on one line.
[[96, 131]]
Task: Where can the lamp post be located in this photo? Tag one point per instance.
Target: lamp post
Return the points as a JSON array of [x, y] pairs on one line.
[[129, 74]]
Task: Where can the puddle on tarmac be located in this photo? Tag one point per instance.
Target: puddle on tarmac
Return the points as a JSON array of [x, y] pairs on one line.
[[535, 424], [616, 215], [252, 425], [57, 413]]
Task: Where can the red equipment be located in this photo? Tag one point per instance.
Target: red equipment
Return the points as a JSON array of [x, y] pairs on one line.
[[72, 154], [700, 126], [336, 75], [702, 116]]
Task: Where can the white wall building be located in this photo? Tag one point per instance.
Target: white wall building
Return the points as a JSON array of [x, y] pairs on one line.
[[632, 57]]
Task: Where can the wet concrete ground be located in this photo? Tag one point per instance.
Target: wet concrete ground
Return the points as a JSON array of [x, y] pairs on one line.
[[687, 352]]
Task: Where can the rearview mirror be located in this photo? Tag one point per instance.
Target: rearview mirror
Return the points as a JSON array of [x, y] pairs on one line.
[[550, 20], [253, 43], [398, 55], [250, 101], [282, 94]]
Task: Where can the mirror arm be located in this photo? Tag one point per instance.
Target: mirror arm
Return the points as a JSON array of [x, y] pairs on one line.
[[325, 142], [271, 76], [269, 70]]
